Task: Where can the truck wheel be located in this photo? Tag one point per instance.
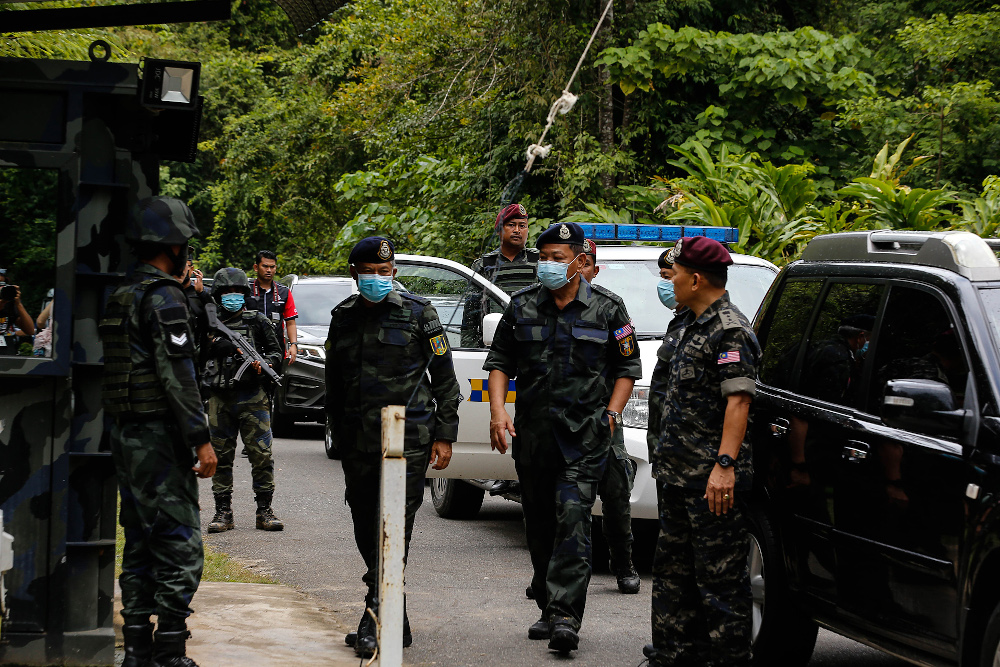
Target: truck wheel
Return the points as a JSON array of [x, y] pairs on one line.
[[455, 499], [990, 655], [332, 452], [782, 635]]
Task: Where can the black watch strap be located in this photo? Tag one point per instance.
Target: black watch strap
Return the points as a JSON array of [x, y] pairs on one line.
[[725, 460]]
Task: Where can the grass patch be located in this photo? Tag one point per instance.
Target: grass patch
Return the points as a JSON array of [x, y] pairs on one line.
[[219, 566]]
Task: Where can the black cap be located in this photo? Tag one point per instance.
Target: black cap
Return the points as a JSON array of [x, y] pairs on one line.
[[663, 262], [562, 232], [372, 250], [861, 321]]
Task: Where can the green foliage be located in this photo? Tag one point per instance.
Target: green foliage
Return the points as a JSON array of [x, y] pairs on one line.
[[28, 218]]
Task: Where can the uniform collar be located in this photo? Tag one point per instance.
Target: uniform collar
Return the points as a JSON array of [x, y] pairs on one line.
[[520, 257], [585, 294], [710, 312], [393, 298]]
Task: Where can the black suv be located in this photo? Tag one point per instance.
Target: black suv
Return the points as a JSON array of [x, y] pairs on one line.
[[876, 435]]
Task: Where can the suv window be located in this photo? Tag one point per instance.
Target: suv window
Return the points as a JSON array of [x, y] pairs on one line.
[[831, 370], [783, 333], [991, 301], [315, 300], [446, 289], [916, 340]]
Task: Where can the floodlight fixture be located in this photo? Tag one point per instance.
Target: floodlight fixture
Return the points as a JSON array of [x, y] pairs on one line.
[[169, 84]]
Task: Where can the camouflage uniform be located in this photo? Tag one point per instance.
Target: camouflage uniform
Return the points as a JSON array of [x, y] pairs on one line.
[[701, 588], [150, 389], [158, 421], [510, 275], [563, 361], [376, 357], [240, 406]]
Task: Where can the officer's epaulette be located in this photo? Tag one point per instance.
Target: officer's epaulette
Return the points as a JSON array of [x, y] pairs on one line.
[[729, 319], [608, 293], [414, 297], [346, 302], [527, 289]]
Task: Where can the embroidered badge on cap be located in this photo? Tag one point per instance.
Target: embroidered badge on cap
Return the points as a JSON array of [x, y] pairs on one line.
[[384, 251], [624, 331], [439, 344], [674, 252], [729, 357], [522, 211], [564, 232]]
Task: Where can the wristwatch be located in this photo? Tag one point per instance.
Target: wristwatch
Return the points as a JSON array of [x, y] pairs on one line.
[[615, 416], [725, 460]]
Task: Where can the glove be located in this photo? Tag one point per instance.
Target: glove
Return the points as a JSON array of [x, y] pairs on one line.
[[223, 347]]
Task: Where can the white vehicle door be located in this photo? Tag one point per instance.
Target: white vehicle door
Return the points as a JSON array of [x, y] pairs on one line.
[[447, 285]]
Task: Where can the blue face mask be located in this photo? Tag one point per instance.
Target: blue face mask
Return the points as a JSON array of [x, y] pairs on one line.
[[553, 274], [861, 351], [665, 290], [374, 287], [232, 302]]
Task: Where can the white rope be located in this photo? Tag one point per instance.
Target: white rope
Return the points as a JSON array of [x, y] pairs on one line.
[[566, 101]]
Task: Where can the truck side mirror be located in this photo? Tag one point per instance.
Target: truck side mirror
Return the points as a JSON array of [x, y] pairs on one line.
[[490, 324], [923, 406]]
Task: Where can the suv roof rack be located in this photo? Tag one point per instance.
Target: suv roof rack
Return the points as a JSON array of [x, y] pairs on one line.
[[962, 252]]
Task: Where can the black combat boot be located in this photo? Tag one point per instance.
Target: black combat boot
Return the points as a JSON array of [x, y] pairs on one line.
[[564, 637], [540, 629], [365, 641], [265, 515], [628, 579], [223, 519], [138, 645], [169, 644]]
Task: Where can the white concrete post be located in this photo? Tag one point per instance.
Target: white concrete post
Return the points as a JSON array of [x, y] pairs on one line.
[[6, 563], [392, 527]]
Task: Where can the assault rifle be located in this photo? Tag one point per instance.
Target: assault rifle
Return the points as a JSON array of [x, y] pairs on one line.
[[250, 354]]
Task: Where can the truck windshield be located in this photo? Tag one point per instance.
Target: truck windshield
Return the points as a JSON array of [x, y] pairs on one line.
[[635, 282]]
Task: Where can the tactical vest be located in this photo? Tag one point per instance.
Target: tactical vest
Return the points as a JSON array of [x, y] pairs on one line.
[[220, 372], [509, 276], [130, 388]]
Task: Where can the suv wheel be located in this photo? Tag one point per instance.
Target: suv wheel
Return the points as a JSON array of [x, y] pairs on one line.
[[455, 499], [332, 452], [281, 425], [782, 635], [990, 656]]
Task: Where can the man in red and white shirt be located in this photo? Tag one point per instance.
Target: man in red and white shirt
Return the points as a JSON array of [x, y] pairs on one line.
[[275, 301]]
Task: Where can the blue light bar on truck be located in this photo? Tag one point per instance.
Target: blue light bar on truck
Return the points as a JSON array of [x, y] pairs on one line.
[[657, 233]]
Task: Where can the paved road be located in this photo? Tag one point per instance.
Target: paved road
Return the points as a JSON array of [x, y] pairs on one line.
[[465, 579]]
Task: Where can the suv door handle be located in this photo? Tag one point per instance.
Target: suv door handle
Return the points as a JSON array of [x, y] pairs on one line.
[[779, 427], [854, 451]]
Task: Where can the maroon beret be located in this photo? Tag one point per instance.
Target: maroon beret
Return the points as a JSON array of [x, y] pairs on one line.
[[699, 252], [511, 212], [590, 248]]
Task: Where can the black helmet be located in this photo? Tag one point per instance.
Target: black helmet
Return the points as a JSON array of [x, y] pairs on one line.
[[161, 221]]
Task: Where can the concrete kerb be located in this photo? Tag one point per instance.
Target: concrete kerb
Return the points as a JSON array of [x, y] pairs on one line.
[[244, 625]]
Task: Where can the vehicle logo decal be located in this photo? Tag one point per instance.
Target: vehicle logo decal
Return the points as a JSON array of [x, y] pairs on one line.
[[481, 393]]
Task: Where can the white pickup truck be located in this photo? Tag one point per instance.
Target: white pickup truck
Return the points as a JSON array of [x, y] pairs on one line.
[[629, 271]]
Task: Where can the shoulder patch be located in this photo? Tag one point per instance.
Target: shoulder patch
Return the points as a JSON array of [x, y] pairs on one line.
[[172, 314], [729, 319], [349, 301], [439, 344]]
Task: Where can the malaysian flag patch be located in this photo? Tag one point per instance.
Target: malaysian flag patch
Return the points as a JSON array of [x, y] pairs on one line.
[[624, 331], [729, 357]]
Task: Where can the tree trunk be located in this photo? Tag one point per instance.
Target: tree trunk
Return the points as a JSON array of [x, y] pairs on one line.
[[627, 99], [606, 102]]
